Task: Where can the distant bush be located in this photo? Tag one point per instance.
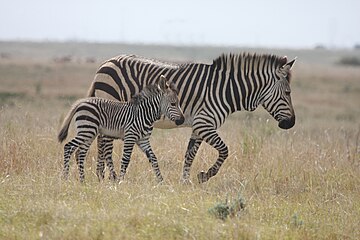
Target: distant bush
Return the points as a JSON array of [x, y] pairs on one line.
[[350, 61], [8, 97]]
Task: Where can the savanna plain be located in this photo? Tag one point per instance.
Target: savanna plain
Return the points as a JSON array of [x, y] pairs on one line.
[[302, 183]]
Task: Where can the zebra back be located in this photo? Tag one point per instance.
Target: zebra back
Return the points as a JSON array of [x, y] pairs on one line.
[[233, 82]]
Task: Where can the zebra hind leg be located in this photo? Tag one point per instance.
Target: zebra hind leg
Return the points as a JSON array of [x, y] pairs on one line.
[[146, 148], [191, 151], [69, 148], [80, 158]]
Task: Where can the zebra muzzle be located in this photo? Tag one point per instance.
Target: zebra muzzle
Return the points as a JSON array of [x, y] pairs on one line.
[[180, 121], [287, 123]]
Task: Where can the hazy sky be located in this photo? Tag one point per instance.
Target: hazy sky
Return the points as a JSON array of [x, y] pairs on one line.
[[251, 23]]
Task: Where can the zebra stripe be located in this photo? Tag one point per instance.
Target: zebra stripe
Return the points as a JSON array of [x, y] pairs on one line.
[[208, 93], [131, 121]]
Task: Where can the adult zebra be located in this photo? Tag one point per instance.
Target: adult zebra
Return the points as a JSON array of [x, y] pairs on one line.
[[208, 94]]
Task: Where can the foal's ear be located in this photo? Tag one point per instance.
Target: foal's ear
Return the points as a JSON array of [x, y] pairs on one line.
[[288, 66], [163, 83]]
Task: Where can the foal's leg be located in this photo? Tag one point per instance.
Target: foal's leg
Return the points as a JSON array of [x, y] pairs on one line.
[[128, 148], [81, 155], [108, 150], [80, 159], [69, 148], [145, 146], [100, 165], [105, 148]]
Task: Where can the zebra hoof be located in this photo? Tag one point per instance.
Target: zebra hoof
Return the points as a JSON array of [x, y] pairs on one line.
[[65, 177], [100, 177], [186, 181], [202, 177], [120, 180], [160, 183], [113, 178]]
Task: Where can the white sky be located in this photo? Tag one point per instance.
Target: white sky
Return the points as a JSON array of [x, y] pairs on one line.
[[250, 23]]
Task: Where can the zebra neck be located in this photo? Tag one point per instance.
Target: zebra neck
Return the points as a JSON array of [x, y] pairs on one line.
[[240, 90], [248, 91], [149, 109]]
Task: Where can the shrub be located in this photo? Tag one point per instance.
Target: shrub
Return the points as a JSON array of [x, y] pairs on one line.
[[350, 61], [226, 209]]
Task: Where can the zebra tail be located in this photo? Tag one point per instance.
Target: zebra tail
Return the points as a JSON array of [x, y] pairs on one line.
[[66, 123]]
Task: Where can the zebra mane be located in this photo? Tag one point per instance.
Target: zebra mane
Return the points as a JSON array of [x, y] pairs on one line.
[[155, 62], [226, 59], [145, 93]]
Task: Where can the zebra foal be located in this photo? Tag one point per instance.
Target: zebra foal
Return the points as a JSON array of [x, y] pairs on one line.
[[131, 121]]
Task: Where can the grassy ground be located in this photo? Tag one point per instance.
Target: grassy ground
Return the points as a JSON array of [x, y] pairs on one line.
[[303, 183]]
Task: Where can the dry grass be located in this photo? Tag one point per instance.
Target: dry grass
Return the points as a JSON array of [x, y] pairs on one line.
[[297, 184]]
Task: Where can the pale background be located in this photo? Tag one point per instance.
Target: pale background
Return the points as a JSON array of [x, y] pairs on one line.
[[268, 24]]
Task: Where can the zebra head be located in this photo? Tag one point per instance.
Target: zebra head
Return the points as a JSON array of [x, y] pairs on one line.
[[170, 106], [277, 99]]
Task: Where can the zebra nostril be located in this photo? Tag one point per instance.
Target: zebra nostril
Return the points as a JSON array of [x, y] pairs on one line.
[[180, 121]]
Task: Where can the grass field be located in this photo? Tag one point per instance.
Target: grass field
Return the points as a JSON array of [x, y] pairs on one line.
[[303, 183]]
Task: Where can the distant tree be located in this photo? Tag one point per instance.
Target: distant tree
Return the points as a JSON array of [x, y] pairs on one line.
[[320, 46]]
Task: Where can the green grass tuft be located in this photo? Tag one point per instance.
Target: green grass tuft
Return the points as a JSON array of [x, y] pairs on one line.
[[226, 209]]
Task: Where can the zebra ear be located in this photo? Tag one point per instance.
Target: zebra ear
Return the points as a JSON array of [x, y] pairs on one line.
[[288, 66], [163, 83]]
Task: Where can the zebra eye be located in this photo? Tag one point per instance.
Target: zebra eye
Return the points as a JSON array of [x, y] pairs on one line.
[[287, 92], [173, 104]]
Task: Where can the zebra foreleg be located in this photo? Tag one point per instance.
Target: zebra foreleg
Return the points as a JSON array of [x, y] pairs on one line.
[[108, 150], [128, 148], [191, 151], [213, 139], [146, 148]]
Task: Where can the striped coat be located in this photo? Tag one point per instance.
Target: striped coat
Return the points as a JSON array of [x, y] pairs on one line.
[[208, 94]]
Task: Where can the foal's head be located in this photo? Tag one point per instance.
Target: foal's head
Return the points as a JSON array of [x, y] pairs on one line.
[[170, 106]]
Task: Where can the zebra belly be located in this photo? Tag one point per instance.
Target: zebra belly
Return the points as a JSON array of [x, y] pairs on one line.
[[119, 134]]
